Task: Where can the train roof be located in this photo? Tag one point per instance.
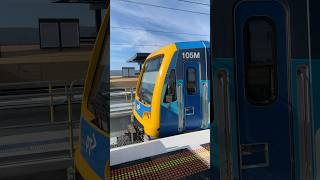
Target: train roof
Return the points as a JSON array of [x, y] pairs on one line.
[[182, 45], [192, 44]]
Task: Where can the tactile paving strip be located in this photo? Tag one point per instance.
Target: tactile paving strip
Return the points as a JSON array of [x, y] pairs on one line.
[[173, 165]]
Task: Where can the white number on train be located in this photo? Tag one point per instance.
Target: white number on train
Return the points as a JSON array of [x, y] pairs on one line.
[[191, 55]]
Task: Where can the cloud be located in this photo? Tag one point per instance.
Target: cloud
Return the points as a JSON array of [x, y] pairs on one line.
[[131, 15]]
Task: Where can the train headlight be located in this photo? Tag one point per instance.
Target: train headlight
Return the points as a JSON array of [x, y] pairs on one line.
[[146, 115]]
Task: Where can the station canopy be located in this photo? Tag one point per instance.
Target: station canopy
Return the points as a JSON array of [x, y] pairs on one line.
[[138, 58], [81, 1], [94, 4]]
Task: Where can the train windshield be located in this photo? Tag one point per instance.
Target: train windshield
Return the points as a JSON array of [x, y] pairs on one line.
[[148, 79]]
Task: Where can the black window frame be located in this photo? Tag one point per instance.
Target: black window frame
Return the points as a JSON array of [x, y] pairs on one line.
[[273, 64], [195, 81], [174, 85]]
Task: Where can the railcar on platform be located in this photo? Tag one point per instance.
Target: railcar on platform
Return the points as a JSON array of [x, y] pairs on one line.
[[172, 93]]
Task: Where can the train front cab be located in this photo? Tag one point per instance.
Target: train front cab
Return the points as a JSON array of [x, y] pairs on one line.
[[265, 71], [93, 151], [172, 94]]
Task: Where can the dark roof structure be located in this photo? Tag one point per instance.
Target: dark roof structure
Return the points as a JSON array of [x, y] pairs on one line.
[[138, 58], [81, 1], [96, 5]]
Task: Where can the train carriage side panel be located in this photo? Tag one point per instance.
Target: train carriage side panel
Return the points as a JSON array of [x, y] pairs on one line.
[[198, 54], [315, 79], [169, 115], [92, 153], [301, 87], [302, 74], [222, 65]]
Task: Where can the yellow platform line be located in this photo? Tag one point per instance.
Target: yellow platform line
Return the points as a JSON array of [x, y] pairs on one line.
[[201, 153]]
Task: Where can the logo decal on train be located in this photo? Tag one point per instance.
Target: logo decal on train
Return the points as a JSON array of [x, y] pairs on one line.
[[91, 143]]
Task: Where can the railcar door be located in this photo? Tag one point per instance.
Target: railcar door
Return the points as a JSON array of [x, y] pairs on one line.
[[262, 93], [192, 94]]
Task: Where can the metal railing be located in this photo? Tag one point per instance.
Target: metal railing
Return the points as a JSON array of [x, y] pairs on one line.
[[40, 94], [120, 110], [51, 94], [43, 94]]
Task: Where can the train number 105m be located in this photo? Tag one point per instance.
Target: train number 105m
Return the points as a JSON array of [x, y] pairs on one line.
[[191, 55]]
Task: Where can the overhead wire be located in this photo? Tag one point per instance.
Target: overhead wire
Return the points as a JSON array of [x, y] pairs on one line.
[[128, 44], [164, 7], [193, 2], [157, 31]]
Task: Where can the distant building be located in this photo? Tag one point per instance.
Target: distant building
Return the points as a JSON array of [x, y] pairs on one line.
[[128, 72], [22, 23], [47, 40]]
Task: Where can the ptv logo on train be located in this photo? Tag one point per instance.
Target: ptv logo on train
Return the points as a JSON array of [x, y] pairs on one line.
[[91, 143], [191, 55]]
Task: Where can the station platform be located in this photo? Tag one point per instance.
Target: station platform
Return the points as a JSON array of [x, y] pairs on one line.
[[120, 82], [174, 157]]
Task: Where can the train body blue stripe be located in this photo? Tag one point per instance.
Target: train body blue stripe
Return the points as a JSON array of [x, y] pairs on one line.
[[94, 148], [141, 108], [226, 64], [192, 45], [315, 94], [295, 117]]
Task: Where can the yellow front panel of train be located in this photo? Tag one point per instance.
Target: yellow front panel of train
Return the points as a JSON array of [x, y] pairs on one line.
[[149, 114]]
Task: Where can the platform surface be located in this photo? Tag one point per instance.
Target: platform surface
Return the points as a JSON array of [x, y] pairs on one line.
[[174, 157], [173, 165]]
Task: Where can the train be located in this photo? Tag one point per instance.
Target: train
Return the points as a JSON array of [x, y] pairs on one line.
[[173, 91], [265, 71], [259, 83], [92, 154]]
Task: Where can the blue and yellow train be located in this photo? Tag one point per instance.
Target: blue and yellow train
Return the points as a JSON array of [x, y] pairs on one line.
[[93, 151], [173, 90], [266, 74]]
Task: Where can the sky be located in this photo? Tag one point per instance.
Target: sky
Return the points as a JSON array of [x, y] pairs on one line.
[[138, 27]]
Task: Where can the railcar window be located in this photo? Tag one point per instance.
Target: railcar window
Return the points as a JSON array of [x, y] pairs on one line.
[[98, 98], [171, 92], [149, 78], [260, 60], [191, 81]]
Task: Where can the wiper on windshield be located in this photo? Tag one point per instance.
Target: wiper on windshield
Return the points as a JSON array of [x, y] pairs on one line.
[[146, 99], [144, 96]]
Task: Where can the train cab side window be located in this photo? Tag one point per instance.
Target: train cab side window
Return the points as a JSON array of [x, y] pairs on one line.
[[260, 60], [171, 92], [191, 81], [98, 98]]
